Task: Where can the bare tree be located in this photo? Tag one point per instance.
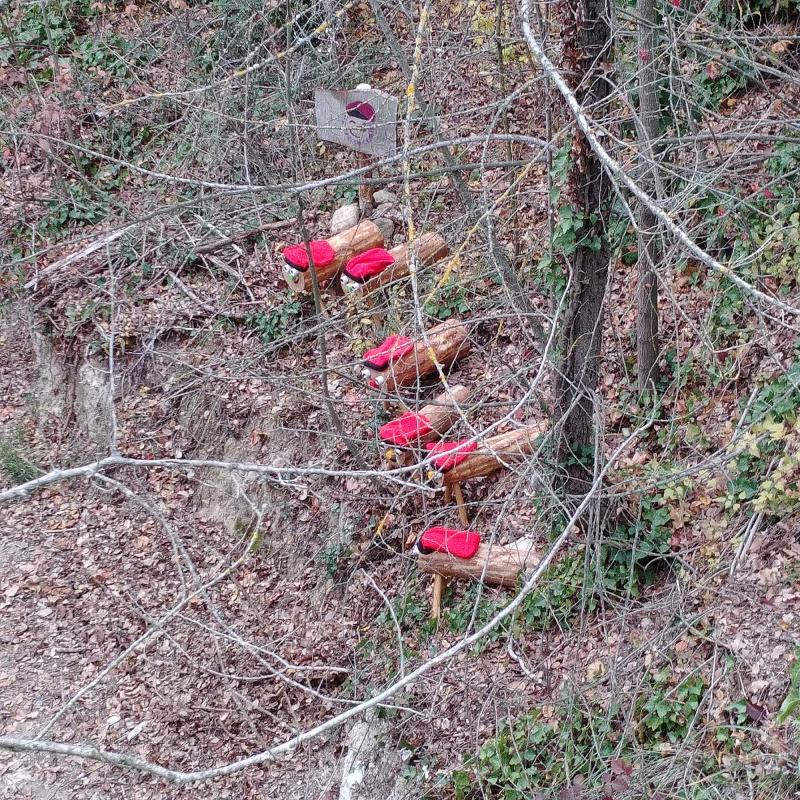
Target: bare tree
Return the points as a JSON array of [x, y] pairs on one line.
[[649, 230], [587, 52]]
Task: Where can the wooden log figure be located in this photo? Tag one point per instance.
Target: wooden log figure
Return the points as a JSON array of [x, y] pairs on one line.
[[401, 362], [431, 422], [497, 565], [329, 255], [454, 544], [376, 268], [462, 461]]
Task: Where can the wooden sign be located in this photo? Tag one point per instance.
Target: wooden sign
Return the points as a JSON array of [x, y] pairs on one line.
[[361, 119]]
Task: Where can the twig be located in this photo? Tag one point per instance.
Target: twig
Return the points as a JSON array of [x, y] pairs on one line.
[[211, 247]]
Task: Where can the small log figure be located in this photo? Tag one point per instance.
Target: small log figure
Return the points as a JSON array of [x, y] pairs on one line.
[[452, 544], [378, 268], [498, 565], [330, 255], [463, 460], [402, 363], [432, 421], [459, 462]]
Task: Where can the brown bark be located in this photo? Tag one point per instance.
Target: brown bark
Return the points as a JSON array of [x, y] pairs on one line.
[[442, 412], [587, 48], [502, 564], [430, 247], [647, 346], [366, 203], [494, 454], [448, 342], [345, 245]]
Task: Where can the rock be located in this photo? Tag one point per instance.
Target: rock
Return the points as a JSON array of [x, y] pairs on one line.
[[384, 210], [386, 216], [94, 405], [343, 218], [386, 227], [371, 768], [384, 196]]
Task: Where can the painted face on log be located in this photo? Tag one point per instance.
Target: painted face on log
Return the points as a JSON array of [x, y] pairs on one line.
[[360, 123], [290, 272], [349, 285]]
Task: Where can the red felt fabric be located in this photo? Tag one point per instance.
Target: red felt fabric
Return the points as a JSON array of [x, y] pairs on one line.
[[446, 458], [360, 109], [392, 348], [405, 430], [368, 264], [297, 255], [461, 544]]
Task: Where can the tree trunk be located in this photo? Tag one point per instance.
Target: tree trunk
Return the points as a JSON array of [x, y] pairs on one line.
[[649, 237], [587, 52]]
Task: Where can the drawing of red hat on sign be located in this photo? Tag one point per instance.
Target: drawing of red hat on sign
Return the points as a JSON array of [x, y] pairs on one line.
[[360, 123]]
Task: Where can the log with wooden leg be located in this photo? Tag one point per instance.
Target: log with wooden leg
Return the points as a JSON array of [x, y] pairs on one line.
[[497, 565], [438, 591], [401, 362], [462, 509], [454, 543], [329, 255], [465, 460], [372, 270], [432, 421]]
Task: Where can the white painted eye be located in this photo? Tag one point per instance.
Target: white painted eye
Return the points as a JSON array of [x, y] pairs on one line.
[[380, 380], [290, 271], [365, 373]]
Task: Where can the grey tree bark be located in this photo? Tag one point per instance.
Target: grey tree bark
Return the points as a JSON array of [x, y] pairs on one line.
[[649, 244], [588, 52]]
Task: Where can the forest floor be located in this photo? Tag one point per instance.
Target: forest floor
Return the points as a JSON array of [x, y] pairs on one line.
[[84, 570], [300, 629]]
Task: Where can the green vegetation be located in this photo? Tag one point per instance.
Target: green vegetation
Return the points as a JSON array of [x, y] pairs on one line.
[[13, 464], [278, 322], [54, 23], [447, 301], [554, 600], [457, 615], [669, 711], [790, 708], [335, 557], [531, 755], [587, 749], [766, 467]]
